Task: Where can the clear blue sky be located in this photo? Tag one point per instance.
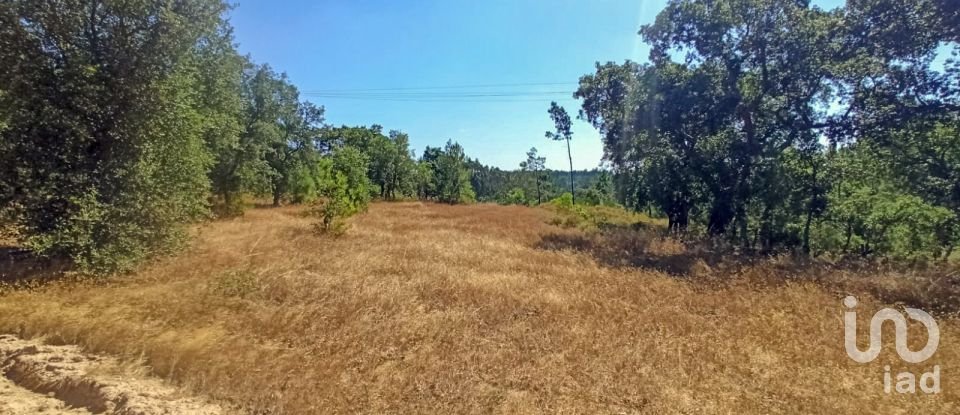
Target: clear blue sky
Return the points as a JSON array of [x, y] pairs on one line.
[[334, 45]]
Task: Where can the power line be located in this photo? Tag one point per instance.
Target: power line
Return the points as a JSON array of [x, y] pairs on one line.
[[450, 99], [442, 87], [440, 94], [553, 96], [476, 93]]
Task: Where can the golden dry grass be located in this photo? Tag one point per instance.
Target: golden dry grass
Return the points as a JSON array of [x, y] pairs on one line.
[[425, 308]]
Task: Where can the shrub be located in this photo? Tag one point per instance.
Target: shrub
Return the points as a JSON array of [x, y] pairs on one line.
[[333, 207], [344, 190], [563, 202], [231, 208], [514, 197], [303, 186], [596, 217]]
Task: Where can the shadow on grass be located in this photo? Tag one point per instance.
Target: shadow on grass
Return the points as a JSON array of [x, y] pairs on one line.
[[637, 247], [21, 267], [934, 287]]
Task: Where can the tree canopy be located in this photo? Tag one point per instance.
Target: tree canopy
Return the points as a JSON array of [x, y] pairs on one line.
[[750, 111]]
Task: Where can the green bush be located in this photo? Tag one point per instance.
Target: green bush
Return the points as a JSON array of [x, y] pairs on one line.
[[564, 201], [303, 186], [881, 221], [345, 190], [514, 197]]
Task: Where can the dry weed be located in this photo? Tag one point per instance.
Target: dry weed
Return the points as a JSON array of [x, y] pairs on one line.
[[425, 308]]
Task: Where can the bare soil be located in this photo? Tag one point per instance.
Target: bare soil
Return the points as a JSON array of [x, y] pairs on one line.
[[39, 378]]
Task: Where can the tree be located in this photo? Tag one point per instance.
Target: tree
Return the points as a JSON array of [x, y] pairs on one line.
[[604, 188], [241, 163], [668, 142], [535, 165], [767, 61], [451, 177], [221, 69], [392, 168], [403, 167], [104, 144], [268, 99], [344, 188], [298, 125], [561, 121], [489, 183], [754, 119]]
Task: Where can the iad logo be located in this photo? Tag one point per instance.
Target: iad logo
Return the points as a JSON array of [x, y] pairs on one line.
[[906, 381]]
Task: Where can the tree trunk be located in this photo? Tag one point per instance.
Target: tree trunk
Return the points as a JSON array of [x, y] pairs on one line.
[[766, 232], [806, 232], [846, 245], [742, 225], [678, 219], [743, 185], [949, 251], [720, 216], [573, 196], [538, 189]]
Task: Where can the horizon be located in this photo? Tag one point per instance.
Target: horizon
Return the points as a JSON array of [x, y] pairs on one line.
[[359, 46], [443, 71]]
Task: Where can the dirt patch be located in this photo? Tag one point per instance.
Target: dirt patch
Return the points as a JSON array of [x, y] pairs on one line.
[[64, 380], [15, 400]]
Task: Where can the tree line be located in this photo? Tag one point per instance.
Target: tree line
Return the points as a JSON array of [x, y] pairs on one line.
[[532, 184], [122, 122], [777, 125]]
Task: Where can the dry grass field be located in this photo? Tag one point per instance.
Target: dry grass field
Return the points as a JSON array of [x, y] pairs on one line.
[[424, 308]]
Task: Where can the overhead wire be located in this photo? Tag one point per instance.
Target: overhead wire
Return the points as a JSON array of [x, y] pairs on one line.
[[450, 93], [446, 87]]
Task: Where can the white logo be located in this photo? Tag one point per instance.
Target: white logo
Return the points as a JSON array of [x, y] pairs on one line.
[[900, 326], [906, 381]]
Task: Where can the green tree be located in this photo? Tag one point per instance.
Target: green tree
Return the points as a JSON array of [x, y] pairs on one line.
[[535, 165], [392, 167], [299, 124], [762, 99], [220, 69], [561, 121], [344, 188], [604, 188], [403, 177], [241, 164], [264, 104], [727, 124], [451, 175], [105, 137]]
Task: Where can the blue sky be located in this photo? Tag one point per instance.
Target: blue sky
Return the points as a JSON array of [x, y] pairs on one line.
[[363, 44]]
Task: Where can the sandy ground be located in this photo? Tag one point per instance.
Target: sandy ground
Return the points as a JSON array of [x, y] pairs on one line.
[[45, 379], [15, 400]]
